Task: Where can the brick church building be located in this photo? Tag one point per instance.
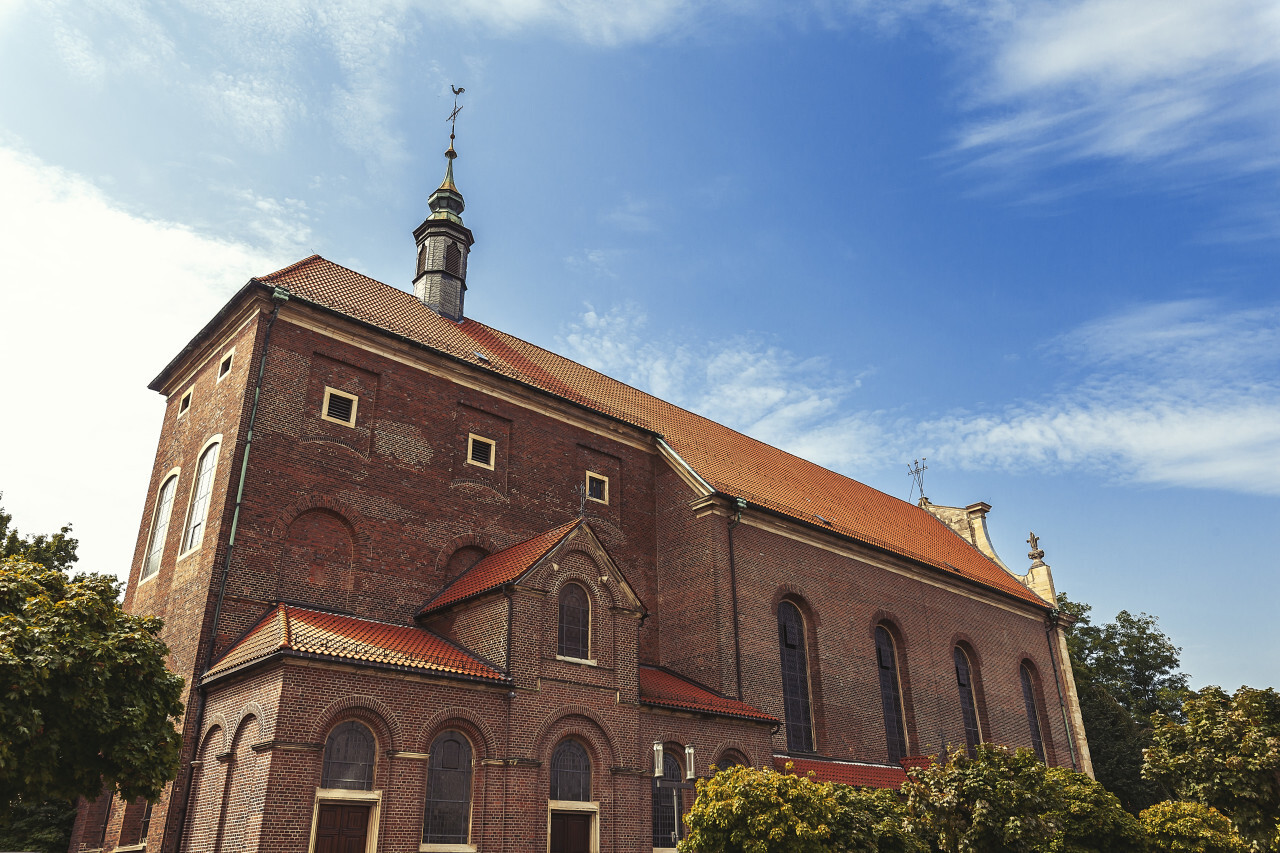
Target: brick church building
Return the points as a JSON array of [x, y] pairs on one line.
[[434, 588]]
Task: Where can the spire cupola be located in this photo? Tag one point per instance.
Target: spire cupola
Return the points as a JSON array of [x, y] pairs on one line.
[[443, 242]]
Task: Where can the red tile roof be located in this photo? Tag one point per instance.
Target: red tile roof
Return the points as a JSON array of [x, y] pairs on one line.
[[844, 772], [732, 463], [665, 689], [314, 633], [498, 569]]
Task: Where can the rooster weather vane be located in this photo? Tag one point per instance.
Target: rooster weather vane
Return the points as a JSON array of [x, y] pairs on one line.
[[453, 116]]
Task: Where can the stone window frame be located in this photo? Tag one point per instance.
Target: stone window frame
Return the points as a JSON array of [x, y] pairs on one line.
[[472, 439], [330, 392], [589, 660], [185, 547], [586, 485], [225, 364], [184, 402], [592, 807], [344, 796], [170, 477]]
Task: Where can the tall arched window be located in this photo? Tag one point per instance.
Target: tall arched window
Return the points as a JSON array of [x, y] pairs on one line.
[[570, 772], [200, 498], [895, 726], [968, 708], [1033, 711], [575, 623], [667, 826], [348, 757], [448, 813], [795, 679], [160, 527]]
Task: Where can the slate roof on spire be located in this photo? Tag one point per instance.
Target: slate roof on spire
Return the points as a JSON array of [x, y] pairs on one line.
[[732, 463]]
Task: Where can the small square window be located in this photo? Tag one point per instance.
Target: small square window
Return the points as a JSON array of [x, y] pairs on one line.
[[185, 402], [480, 451], [597, 487], [339, 407], [224, 366]]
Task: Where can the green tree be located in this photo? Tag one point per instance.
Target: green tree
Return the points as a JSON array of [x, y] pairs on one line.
[[1125, 672], [1182, 827], [1227, 755], [1003, 801], [87, 700]]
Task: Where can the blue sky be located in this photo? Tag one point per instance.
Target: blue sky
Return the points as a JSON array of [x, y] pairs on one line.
[[1037, 243]]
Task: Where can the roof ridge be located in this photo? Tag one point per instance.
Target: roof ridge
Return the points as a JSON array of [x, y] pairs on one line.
[[296, 265]]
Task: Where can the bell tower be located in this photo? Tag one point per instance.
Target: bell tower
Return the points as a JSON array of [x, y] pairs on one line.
[[443, 242]]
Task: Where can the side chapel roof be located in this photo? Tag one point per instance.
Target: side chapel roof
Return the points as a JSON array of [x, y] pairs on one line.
[[663, 688], [730, 462], [302, 632]]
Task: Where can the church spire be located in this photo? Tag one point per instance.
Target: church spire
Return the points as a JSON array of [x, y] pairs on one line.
[[443, 241]]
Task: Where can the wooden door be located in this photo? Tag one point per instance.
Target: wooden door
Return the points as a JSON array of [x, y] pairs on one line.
[[342, 828], [570, 832]]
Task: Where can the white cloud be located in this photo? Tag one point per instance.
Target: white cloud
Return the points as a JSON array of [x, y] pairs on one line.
[[1174, 394], [95, 300]]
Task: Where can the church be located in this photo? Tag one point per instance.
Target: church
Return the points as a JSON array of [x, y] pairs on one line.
[[435, 588]]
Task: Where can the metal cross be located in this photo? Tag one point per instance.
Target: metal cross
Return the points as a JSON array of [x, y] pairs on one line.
[[916, 472], [453, 116]]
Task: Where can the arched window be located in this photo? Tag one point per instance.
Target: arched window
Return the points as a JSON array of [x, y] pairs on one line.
[[968, 709], [200, 499], [795, 679], [667, 826], [575, 623], [448, 814], [570, 772], [160, 527], [895, 727], [1033, 712], [348, 757], [453, 259]]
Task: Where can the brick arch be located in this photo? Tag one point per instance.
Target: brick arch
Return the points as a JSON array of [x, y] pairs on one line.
[[369, 710], [1045, 719], [463, 719], [797, 596], [457, 543], [731, 745], [217, 724], [252, 710], [594, 735], [590, 582], [965, 641], [349, 515]]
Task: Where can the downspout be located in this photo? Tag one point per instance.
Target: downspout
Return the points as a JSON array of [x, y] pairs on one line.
[[1050, 623], [733, 595], [279, 296]]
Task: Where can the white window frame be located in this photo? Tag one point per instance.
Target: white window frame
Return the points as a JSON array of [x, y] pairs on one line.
[[229, 361], [586, 484], [472, 438], [324, 406], [192, 547], [143, 575]]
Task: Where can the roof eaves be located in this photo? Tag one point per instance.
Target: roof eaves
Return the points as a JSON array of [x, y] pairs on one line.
[[281, 653], [205, 332], [690, 708]]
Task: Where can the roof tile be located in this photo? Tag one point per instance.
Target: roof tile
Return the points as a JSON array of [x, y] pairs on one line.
[[729, 461], [844, 772], [500, 568], [665, 689], [338, 637]]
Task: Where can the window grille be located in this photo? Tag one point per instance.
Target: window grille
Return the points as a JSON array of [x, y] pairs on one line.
[[1033, 713], [480, 451], [575, 623], [160, 527], [667, 826], [895, 729], [453, 259], [968, 710], [795, 679], [348, 758], [448, 812], [570, 772], [200, 502]]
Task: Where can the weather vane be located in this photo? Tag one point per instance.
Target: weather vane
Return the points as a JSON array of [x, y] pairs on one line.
[[453, 116], [916, 472]]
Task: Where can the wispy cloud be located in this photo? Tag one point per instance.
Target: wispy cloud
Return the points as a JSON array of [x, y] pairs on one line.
[[1173, 394], [93, 293]]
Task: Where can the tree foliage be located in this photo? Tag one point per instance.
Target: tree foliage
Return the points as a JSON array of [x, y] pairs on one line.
[[1125, 672], [741, 810], [85, 698], [1227, 755], [1003, 801], [1182, 827]]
